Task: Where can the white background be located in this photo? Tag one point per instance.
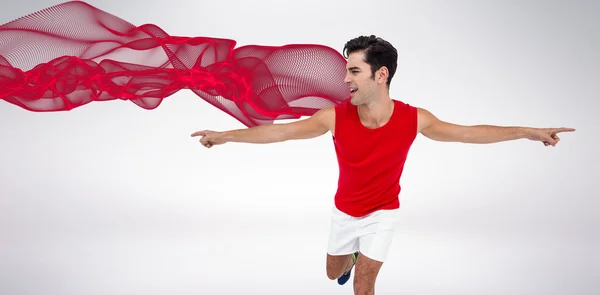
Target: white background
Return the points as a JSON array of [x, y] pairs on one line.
[[113, 199]]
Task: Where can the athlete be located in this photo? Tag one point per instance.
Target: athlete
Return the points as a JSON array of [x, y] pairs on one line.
[[372, 135]]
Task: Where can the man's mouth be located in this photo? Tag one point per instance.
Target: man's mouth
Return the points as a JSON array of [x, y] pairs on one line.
[[352, 90]]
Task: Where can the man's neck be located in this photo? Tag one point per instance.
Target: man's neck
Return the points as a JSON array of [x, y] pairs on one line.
[[376, 113]]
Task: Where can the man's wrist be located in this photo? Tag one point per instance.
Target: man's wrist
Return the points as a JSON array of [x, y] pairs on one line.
[[226, 136], [526, 132]]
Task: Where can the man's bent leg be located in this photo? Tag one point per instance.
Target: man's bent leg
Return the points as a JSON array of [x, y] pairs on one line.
[[337, 265], [365, 275], [343, 240]]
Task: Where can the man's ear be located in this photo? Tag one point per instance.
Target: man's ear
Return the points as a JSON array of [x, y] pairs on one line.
[[382, 75]]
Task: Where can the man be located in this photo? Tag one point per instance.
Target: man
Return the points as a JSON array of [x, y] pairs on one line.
[[372, 134]]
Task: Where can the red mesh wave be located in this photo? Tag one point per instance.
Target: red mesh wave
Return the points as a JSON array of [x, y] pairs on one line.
[[71, 54]]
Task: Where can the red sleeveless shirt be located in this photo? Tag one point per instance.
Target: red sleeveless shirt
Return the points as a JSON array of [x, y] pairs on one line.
[[371, 161]]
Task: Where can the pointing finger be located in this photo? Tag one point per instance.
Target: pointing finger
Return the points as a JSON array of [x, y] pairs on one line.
[[558, 130]]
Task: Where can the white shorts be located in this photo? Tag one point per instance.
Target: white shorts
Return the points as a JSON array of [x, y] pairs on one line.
[[371, 234]]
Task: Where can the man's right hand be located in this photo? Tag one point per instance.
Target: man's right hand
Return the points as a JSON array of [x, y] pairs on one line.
[[210, 138]]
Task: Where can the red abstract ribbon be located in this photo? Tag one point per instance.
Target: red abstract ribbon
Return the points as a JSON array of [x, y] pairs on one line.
[[71, 54]]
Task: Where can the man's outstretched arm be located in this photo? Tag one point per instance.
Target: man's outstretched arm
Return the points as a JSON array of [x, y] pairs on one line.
[[438, 130], [314, 126]]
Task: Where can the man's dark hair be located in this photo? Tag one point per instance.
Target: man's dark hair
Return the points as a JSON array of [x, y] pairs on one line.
[[378, 53]]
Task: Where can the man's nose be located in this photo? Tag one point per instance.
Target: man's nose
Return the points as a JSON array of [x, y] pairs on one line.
[[347, 79]]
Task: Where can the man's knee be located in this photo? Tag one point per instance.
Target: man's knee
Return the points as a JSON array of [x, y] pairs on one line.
[[333, 273], [336, 265], [364, 285]]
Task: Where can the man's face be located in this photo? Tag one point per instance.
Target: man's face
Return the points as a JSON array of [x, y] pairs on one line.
[[363, 85]]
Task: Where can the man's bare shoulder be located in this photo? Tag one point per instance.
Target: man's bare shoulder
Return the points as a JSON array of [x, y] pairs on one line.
[[326, 112], [424, 118], [326, 117]]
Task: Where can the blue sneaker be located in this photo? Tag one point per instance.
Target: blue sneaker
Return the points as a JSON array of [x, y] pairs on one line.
[[345, 277]]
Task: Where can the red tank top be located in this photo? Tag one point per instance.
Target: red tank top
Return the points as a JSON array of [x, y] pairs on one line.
[[371, 161]]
